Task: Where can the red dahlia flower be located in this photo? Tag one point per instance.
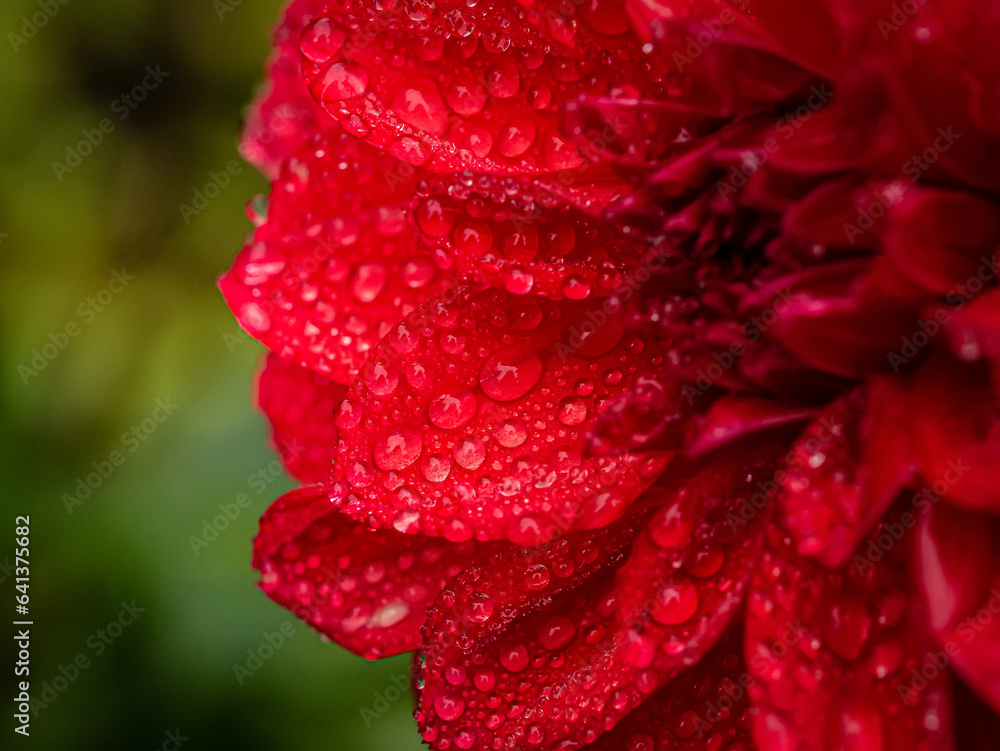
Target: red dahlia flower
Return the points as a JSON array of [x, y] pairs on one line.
[[640, 363]]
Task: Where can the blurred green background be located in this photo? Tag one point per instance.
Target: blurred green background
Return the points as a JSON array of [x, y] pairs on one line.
[[167, 335]]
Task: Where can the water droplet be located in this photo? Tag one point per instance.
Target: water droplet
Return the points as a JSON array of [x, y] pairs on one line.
[[511, 433], [389, 615], [510, 374], [540, 96], [575, 288], [321, 40], [435, 217], [520, 243], [343, 81], [671, 526], [348, 415], [514, 657], [472, 237], [470, 452], [380, 378], [675, 602], [455, 675], [557, 633], [480, 608], [450, 411], [502, 80], [518, 282], [369, 280], [537, 577], [398, 449], [847, 627], [572, 411], [465, 96], [254, 318], [418, 272], [484, 680], [516, 137], [419, 104], [359, 474], [436, 467], [448, 708]]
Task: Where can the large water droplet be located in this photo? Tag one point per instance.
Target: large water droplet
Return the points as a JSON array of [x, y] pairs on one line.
[[398, 449], [514, 657], [343, 81], [510, 374], [450, 411], [448, 708]]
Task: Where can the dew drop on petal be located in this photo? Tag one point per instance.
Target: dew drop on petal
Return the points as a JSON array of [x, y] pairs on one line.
[[510, 374]]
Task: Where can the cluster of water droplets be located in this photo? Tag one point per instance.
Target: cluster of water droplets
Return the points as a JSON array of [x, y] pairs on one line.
[[469, 420], [834, 646], [367, 590], [333, 263], [461, 86], [515, 235]]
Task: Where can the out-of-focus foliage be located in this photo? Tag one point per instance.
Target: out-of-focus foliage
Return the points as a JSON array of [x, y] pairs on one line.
[[167, 336]]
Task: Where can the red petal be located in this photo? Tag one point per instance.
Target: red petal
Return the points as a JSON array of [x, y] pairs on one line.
[[687, 573], [832, 213], [568, 648], [367, 590], [457, 87], [526, 649], [957, 433], [705, 707], [651, 416], [734, 417], [334, 265], [833, 653], [940, 86], [528, 242], [974, 329], [300, 406], [844, 472], [284, 115], [720, 60], [471, 417], [635, 132], [958, 561], [942, 239], [845, 319]]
